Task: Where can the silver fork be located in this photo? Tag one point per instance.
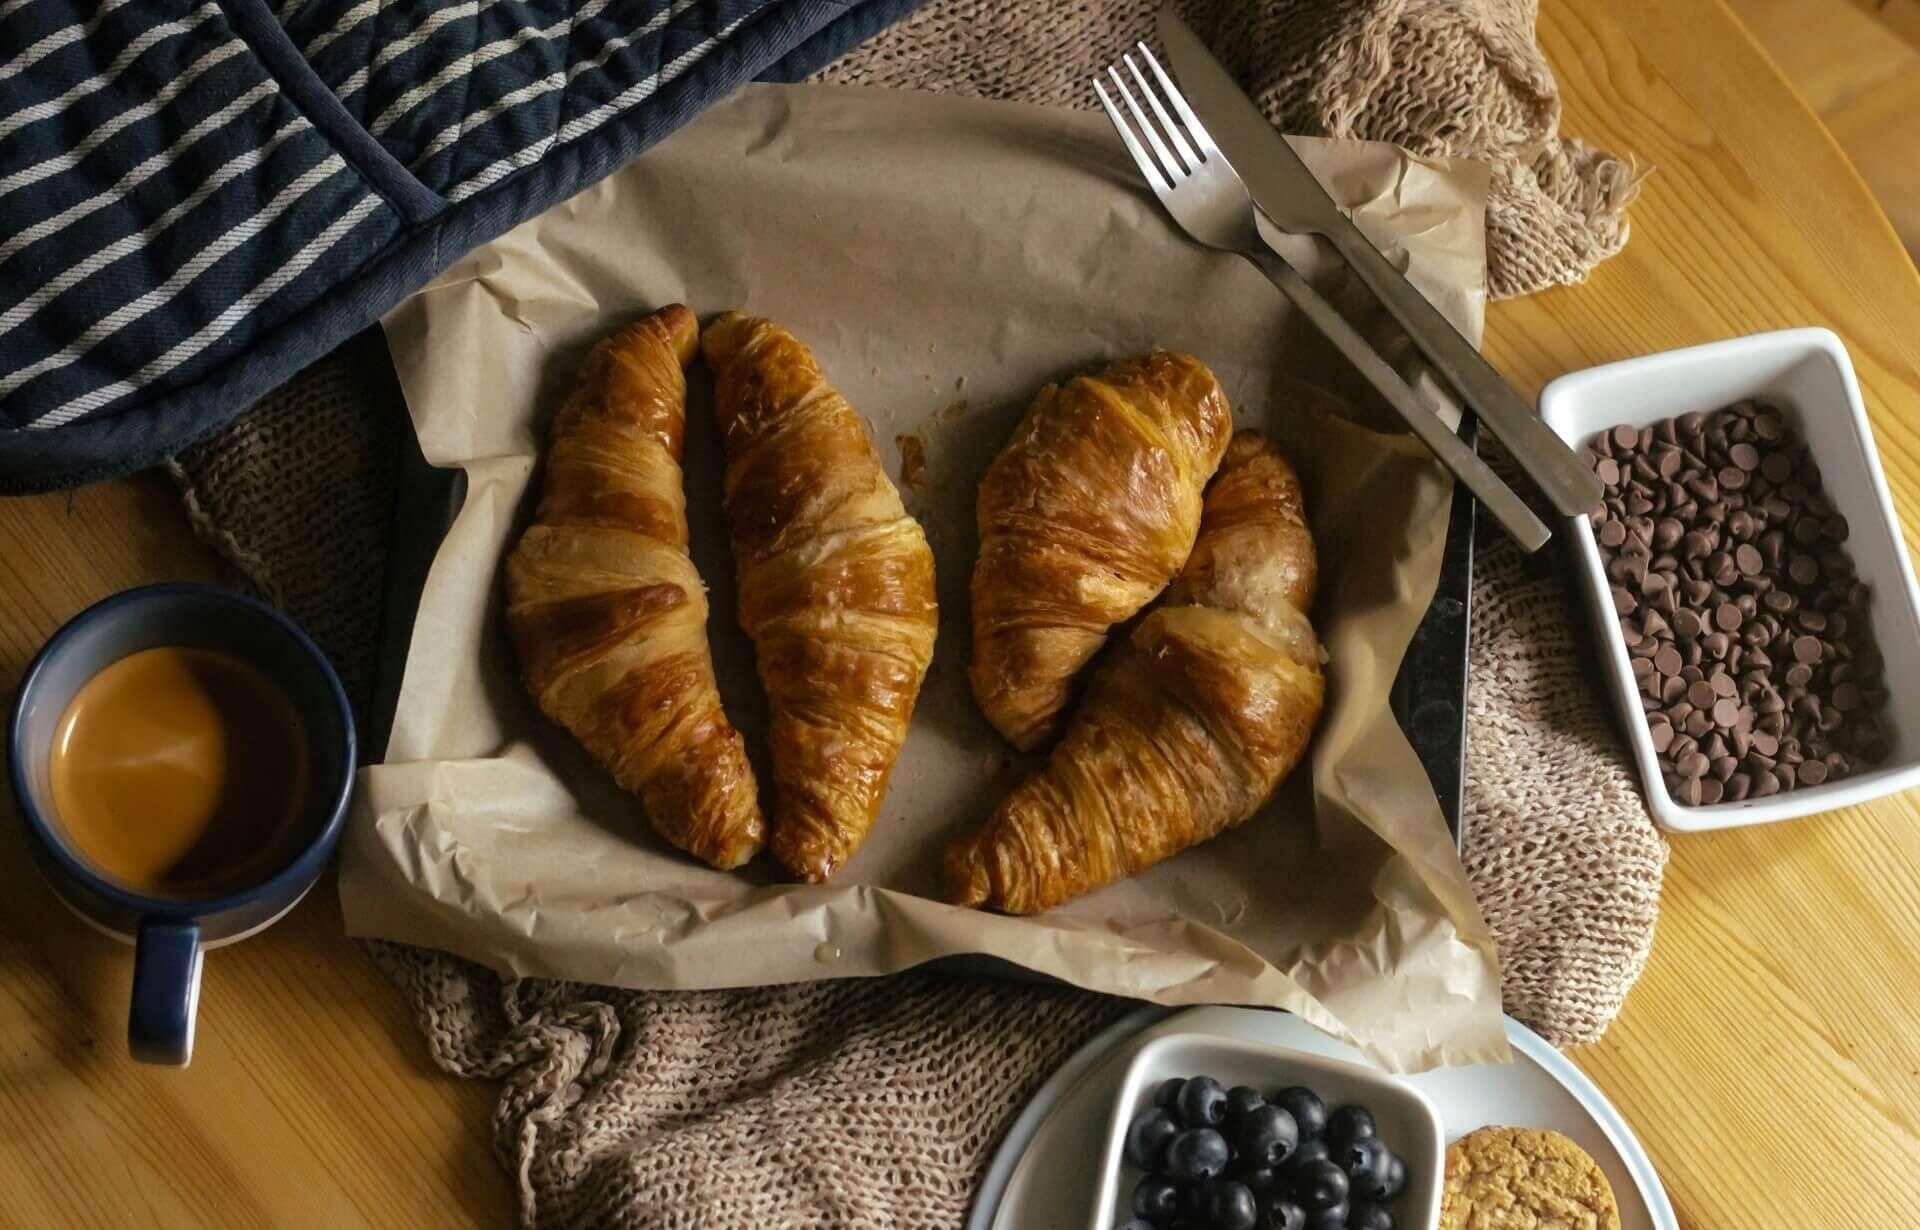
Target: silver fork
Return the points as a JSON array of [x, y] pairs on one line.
[[1206, 197]]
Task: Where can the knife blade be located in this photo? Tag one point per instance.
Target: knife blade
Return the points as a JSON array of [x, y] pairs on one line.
[[1287, 192]]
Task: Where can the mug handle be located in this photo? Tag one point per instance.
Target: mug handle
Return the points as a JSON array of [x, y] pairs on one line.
[[166, 991]]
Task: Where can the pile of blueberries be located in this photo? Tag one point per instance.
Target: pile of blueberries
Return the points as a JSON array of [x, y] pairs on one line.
[[1230, 1159]]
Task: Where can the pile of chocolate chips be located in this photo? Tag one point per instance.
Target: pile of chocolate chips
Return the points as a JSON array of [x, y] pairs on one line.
[[1744, 621]]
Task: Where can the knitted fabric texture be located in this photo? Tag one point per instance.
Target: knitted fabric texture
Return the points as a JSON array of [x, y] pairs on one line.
[[876, 1102], [1463, 78]]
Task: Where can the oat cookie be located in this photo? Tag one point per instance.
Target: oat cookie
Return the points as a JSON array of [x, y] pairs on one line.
[[1502, 1178]]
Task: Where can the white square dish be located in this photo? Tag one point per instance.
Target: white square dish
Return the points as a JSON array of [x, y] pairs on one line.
[[1405, 1118], [1805, 374]]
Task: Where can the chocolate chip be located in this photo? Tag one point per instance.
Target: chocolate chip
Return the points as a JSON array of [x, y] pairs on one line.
[[1813, 772], [1710, 790], [1740, 612]]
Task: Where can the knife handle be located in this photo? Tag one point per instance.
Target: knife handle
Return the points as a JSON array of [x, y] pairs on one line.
[[1569, 486], [1508, 509]]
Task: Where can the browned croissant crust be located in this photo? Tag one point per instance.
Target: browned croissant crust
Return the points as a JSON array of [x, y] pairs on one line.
[[1188, 732], [1084, 516], [836, 588], [606, 610]]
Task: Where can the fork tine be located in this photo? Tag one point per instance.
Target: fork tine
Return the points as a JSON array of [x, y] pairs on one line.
[[1141, 157], [1190, 160], [1174, 171], [1195, 128]]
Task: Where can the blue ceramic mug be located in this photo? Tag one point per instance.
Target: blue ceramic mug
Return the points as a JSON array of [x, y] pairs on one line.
[[169, 934]]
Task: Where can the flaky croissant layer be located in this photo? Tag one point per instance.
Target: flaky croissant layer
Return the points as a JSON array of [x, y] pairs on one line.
[[1204, 711], [836, 588], [1084, 516], [607, 613]]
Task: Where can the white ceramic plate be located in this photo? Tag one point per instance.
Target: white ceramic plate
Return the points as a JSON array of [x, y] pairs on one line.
[[1047, 1171]]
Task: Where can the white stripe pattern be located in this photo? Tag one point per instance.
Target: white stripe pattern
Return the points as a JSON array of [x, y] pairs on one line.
[[63, 37], [79, 272], [345, 26], [580, 126], [92, 85], [399, 47], [462, 67], [68, 159], [157, 299], [13, 244], [211, 332], [452, 134]]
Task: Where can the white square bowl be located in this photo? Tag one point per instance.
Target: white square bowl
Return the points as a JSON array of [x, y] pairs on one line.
[[1406, 1120], [1805, 373]]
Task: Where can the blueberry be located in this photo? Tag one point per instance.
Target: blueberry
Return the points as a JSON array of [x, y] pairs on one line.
[[1147, 1137], [1243, 1100], [1258, 1179], [1348, 1126], [1366, 1216], [1134, 1223], [1283, 1215], [1200, 1153], [1383, 1178], [1156, 1200], [1230, 1206], [1365, 1162], [1193, 1203], [1395, 1180], [1266, 1136], [1167, 1091], [1308, 1152], [1308, 1111], [1320, 1185], [1202, 1103], [1333, 1217]]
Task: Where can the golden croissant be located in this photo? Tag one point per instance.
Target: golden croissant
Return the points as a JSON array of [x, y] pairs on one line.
[[1084, 516], [1187, 733], [836, 588], [606, 611]]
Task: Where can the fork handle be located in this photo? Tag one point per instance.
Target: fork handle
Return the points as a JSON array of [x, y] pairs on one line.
[[1499, 499], [1569, 486]]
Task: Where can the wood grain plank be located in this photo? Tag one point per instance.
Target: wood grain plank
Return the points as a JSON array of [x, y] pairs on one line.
[[311, 1100], [1781, 962]]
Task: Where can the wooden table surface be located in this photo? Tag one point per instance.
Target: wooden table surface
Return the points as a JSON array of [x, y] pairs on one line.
[[1770, 1057]]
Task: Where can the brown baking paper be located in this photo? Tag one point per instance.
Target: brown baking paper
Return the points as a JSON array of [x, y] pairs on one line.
[[944, 258]]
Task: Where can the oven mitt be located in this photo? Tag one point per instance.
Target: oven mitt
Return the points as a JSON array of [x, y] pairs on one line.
[[199, 199]]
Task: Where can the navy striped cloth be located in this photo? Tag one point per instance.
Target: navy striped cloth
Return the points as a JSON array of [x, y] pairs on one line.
[[198, 199]]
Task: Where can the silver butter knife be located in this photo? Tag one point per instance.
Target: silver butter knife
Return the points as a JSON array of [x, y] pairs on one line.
[[1286, 191]]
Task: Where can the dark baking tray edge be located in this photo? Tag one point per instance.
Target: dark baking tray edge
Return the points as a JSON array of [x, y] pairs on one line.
[[1428, 696]]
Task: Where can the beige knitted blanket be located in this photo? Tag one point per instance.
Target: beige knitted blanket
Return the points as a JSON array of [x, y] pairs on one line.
[[876, 1103]]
